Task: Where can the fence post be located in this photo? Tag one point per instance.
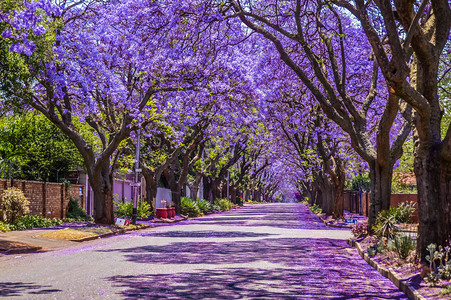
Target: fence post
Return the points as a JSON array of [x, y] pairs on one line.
[[63, 192], [44, 196]]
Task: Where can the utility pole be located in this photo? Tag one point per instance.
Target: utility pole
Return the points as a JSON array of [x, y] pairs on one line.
[[137, 171]]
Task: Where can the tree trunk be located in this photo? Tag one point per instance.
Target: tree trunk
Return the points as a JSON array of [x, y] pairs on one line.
[[233, 194], [216, 192], [434, 185], [339, 200], [151, 189], [183, 191], [194, 188], [194, 191], [102, 186], [176, 199], [207, 189], [380, 186], [328, 196]]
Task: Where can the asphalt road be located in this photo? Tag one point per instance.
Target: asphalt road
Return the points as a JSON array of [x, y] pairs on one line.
[[268, 251]]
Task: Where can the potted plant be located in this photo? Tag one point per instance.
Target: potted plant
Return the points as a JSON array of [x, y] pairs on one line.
[[163, 211], [172, 209]]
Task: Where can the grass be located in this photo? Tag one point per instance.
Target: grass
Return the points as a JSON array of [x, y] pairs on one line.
[[68, 234], [80, 233]]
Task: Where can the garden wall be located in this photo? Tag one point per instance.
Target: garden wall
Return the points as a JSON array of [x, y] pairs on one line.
[[356, 202], [47, 199]]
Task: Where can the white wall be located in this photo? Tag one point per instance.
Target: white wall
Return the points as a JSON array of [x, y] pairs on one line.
[[163, 194]]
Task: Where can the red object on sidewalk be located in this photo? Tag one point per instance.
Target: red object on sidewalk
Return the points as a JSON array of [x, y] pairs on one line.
[[162, 213]]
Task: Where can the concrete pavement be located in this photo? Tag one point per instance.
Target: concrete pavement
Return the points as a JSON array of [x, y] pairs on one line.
[[33, 238], [268, 251]]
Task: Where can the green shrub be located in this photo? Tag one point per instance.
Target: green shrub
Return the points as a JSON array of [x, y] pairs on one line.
[[125, 209], [144, 210], [4, 227], [371, 251], [76, 213], [360, 183], [385, 224], [204, 206], [446, 291], [381, 247], [440, 263], [403, 213], [386, 220], [29, 221], [224, 204], [14, 205], [189, 207], [315, 209], [402, 245]]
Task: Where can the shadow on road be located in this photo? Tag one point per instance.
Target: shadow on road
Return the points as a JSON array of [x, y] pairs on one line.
[[288, 251], [253, 283], [10, 289], [205, 234], [286, 217], [307, 269]]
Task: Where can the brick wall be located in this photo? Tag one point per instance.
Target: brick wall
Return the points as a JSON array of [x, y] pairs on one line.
[[395, 200], [46, 198]]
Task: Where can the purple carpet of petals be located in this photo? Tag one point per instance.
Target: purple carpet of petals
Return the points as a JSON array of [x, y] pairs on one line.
[[268, 267]]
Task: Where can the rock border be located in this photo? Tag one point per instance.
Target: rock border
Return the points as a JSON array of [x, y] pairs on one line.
[[332, 225], [400, 283]]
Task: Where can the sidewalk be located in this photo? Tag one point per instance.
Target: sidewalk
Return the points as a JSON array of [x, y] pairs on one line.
[[26, 241], [52, 238], [29, 241]]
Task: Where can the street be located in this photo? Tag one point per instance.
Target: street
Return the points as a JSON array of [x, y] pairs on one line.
[[270, 251]]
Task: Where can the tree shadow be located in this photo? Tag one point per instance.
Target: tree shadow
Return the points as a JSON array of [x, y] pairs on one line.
[[292, 216], [253, 283], [224, 223], [270, 267], [286, 251], [233, 218], [205, 234], [306, 269], [10, 289]]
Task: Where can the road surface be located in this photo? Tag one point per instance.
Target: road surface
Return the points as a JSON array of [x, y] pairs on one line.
[[265, 251]]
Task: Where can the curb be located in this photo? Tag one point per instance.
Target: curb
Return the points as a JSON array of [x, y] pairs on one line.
[[169, 220], [333, 225], [327, 224], [400, 283], [99, 236], [22, 250]]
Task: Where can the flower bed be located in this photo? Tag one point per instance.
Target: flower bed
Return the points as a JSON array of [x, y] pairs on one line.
[[407, 271]]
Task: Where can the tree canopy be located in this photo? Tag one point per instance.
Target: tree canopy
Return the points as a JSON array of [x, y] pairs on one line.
[[266, 97]]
